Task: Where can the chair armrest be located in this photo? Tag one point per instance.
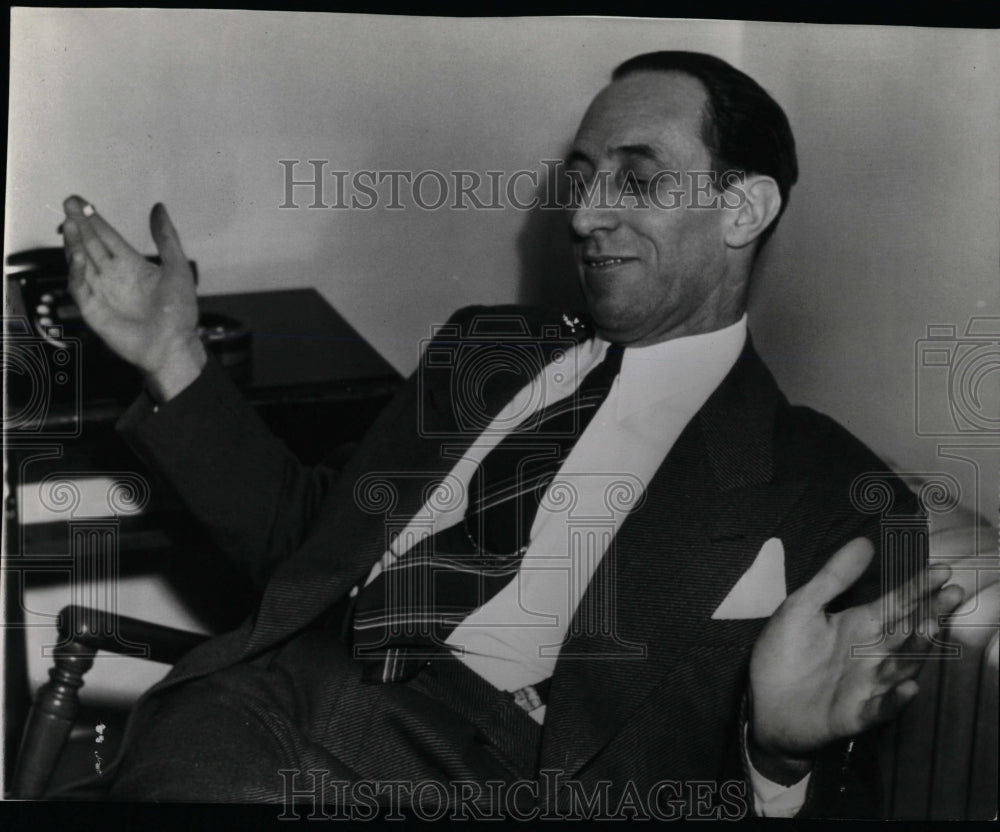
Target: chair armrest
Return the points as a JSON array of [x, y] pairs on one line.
[[100, 630], [84, 631]]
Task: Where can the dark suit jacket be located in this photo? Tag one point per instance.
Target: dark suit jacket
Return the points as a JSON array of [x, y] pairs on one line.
[[647, 687]]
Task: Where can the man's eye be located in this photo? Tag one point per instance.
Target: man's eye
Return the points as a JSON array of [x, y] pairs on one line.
[[629, 175], [578, 183], [631, 180]]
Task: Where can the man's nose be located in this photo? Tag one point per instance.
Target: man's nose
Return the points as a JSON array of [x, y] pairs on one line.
[[596, 214]]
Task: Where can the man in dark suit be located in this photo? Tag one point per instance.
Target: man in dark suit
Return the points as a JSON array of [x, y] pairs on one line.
[[703, 662]]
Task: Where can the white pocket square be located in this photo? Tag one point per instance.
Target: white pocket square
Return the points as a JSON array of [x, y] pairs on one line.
[[761, 589]]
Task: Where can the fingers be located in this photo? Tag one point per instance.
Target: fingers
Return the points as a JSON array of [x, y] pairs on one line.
[[912, 595], [168, 242], [886, 706], [843, 568], [81, 234], [903, 666], [914, 636], [77, 283], [77, 207], [82, 242], [100, 239], [77, 254], [925, 618], [904, 655], [109, 236], [946, 601], [915, 607]]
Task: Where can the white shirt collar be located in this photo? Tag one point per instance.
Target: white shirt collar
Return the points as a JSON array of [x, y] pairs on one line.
[[680, 373]]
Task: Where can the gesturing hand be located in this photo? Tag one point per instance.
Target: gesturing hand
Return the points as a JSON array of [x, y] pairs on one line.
[[145, 313], [806, 687]]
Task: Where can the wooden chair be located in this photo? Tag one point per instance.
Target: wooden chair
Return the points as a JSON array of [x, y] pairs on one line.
[[939, 760], [82, 632]]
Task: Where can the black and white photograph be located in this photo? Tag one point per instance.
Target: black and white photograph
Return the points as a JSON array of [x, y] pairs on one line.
[[500, 418]]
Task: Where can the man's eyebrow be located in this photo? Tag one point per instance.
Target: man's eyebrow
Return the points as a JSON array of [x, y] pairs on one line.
[[643, 151]]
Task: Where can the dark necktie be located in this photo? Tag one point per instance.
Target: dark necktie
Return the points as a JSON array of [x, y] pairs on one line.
[[403, 617]]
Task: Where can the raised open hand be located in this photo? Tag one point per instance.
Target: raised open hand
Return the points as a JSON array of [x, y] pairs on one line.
[[145, 313], [808, 687]]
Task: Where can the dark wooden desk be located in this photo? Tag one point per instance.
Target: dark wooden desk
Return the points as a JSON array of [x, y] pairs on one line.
[[302, 351], [313, 379]]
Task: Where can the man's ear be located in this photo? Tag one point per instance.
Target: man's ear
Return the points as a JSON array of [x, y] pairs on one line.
[[756, 202]]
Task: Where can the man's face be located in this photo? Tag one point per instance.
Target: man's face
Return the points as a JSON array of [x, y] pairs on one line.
[[650, 273]]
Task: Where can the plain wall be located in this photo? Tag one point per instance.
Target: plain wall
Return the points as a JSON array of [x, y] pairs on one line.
[[893, 226]]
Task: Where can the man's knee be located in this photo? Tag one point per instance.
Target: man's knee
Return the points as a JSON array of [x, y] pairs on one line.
[[204, 742]]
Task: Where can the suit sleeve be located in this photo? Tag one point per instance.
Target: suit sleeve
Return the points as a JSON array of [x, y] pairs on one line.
[[851, 493], [254, 497], [240, 481], [846, 780]]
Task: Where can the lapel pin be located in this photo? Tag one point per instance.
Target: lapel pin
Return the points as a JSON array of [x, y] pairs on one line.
[[572, 324]]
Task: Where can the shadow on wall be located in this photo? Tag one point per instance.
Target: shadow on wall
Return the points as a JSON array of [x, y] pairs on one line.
[[546, 272]]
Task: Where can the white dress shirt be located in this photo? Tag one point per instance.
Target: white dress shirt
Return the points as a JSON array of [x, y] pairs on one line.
[[513, 639]]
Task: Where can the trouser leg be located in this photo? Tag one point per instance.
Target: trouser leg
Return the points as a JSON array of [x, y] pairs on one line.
[[241, 734]]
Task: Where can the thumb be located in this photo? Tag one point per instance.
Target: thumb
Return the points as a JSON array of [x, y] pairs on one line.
[[843, 568], [168, 243]]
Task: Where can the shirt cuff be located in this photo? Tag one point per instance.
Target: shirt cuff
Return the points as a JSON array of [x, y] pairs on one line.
[[772, 800]]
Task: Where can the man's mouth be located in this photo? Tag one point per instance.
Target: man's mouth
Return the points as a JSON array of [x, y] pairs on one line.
[[605, 262]]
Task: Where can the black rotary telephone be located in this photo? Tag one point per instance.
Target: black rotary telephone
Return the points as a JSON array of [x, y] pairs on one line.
[[37, 294]]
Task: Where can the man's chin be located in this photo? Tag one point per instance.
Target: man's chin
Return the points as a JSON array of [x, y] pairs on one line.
[[612, 329]]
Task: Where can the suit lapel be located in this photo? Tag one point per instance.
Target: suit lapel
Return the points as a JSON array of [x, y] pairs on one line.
[[669, 567], [469, 372]]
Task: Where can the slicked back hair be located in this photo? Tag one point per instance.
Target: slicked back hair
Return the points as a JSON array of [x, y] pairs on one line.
[[744, 128]]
